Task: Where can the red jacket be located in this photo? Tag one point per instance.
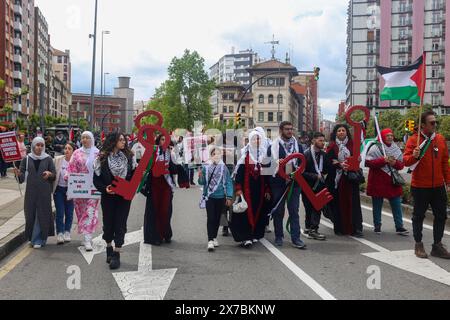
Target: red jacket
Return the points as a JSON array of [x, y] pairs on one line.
[[433, 169], [379, 183]]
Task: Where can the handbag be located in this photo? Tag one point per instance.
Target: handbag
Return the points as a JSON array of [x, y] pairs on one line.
[[202, 203], [356, 176], [240, 206], [397, 178]]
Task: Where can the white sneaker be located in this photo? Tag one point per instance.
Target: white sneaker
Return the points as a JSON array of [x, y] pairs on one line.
[[248, 243], [60, 238], [216, 243], [255, 240], [211, 246], [37, 246], [88, 246], [67, 237]]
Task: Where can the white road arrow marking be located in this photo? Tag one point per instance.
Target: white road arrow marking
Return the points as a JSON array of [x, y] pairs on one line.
[[404, 260], [99, 245], [145, 284]]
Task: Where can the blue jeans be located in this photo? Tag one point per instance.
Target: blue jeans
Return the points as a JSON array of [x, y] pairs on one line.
[[396, 206], [64, 209], [36, 237], [293, 206]]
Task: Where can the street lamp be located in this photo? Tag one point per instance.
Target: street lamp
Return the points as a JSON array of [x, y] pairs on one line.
[[104, 83], [102, 88], [93, 68]]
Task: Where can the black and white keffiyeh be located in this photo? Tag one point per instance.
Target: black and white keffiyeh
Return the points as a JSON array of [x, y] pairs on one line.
[[118, 164], [343, 154]]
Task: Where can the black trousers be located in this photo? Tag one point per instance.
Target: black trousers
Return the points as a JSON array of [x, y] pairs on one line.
[[312, 217], [437, 198], [115, 215], [214, 208]]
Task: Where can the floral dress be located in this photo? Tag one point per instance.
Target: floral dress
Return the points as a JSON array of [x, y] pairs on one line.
[[86, 210]]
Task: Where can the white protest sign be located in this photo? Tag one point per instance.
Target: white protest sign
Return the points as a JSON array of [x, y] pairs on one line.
[[80, 187]]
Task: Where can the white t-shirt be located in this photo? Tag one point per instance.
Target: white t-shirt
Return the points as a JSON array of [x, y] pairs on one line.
[[64, 166]]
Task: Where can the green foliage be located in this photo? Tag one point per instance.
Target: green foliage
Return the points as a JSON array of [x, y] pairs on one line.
[[2, 84], [184, 97], [444, 126]]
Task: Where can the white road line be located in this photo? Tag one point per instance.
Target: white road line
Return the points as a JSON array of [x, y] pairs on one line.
[[303, 276], [363, 241], [387, 214]]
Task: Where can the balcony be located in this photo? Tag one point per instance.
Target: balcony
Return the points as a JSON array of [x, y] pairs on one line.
[[18, 9], [17, 42], [17, 75], [17, 58], [18, 26]]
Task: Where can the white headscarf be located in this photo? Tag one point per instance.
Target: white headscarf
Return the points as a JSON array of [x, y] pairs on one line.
[[257, 153], [267, 143], [33, 155], [91, 152]]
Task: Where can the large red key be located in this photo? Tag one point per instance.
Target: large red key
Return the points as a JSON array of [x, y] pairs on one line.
[[318, 200], [353, 160], [127, 189]]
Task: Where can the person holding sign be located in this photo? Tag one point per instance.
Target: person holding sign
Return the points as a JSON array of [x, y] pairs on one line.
[[115, 160], [38, 171], [86, 210]]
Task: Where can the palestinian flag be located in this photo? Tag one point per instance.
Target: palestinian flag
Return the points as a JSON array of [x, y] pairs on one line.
[[404, 83]]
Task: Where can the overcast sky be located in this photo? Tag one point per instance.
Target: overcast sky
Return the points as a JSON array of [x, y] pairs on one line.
[[147, 34]]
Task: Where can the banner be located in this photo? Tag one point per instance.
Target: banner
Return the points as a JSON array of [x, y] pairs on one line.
[[9, 147], [80, 187]]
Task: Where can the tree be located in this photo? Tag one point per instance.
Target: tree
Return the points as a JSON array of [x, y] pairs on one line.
[[184, 97], [444, 126]]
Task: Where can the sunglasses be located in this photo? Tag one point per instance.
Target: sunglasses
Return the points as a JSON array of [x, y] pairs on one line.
[[434, 123]]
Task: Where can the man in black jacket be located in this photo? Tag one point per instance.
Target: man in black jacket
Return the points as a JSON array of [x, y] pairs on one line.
[[316, 169]]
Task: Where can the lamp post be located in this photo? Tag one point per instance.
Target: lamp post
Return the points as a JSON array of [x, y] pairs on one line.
[[93, 68], [102, 74]]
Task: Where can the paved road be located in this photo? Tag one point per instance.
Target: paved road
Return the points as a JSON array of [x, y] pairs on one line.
[[334, 269]]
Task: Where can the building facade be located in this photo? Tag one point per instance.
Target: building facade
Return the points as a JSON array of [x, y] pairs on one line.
[[395, 33], [60, 98], [17, 54], [228, 99], [312, 113], [42, 64], [62, 67], [272, 96], [108, 111]]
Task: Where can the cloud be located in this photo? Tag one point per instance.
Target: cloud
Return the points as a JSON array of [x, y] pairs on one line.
[[146, 35]]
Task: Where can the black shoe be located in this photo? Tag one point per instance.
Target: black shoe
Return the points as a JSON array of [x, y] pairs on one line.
[[314, 234], [402, 231], [358, 234], [153, 243], [377, 229], [109, 253], [115, 261], [168, 240], [225, 232]]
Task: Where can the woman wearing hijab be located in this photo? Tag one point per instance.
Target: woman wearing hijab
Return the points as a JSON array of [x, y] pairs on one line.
[[380, 185], [346, 205], [215, 178], [86, 210], [115, 160], [38, 171], [159, 192], [249, 227]]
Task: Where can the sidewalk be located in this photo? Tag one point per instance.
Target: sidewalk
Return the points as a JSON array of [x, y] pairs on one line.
[[12, 218]]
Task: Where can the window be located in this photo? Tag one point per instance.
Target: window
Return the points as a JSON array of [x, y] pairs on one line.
[[436, 44], [224, 109], [436, 17], [243, 109], [436, 30], [59, 59], [230, 109], [280, 99], [435, 99], [435, 72], [435, 85], [279, 116], [403, 33], [435, 58], [270, 117], [270, 98], [371, 47], [261, 98], [261, 116], [370, 61], [402, 60]]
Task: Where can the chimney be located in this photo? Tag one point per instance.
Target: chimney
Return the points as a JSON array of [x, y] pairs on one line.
[[124, 82]]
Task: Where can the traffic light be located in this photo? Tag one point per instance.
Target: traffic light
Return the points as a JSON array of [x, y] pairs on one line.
[[411, 125], [316, 73], [238, 119], [407, 125]]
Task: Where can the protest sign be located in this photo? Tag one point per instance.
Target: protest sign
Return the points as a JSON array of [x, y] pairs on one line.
[[9, 147], [80, 187]]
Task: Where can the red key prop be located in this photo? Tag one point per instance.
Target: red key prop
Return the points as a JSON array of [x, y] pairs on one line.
[[127, 189], [353, 161], [318, 200]]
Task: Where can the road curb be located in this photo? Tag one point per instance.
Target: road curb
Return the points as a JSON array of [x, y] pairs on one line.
[[12, 242]]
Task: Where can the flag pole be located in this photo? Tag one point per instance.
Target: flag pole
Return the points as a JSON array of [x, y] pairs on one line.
[[424, 70]]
